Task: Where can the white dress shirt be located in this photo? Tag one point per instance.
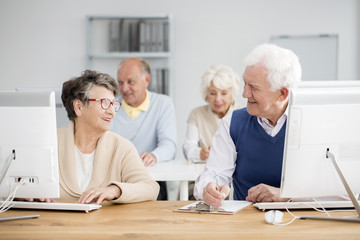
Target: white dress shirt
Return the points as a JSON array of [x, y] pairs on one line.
[[222, 158]]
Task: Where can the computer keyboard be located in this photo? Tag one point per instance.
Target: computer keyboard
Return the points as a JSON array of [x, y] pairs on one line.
[[54, 206], [304, 205]]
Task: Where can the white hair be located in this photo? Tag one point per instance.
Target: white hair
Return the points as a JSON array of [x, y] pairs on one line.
[[222, 77], [282, 64]]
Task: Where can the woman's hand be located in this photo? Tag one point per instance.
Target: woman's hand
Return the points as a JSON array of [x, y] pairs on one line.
[[100, 194]]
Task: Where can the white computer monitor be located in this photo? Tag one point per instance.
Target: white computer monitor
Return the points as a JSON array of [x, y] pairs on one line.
[[28, 144], [62, 119], [321, 119]]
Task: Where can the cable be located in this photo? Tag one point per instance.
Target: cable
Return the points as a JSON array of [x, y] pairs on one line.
[[322, 210], [292, 220], [6, 205]]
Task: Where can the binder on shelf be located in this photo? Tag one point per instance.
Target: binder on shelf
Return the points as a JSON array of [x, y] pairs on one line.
[[153, 81], [134, 36], [166, 36], [160, 37], [114, 33], [124, 35], [147, 37], [165, 80], [142, 39]]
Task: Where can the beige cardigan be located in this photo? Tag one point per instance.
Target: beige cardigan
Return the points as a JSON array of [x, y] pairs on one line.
[[206, 121], [116, 161]]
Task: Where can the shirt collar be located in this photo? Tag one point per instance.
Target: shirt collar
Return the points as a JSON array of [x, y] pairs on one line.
[[273, 130], [144, 106], [281, 119]]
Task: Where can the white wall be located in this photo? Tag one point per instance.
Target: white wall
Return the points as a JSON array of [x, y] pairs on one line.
[[42, 42]]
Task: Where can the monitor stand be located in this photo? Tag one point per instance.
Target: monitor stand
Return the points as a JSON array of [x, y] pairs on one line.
[[348, 190], [2, 219]]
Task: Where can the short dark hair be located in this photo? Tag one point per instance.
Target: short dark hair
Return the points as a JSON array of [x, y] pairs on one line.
[[79, 87]]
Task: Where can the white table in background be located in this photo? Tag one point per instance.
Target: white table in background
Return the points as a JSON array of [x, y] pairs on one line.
[[177, 170]]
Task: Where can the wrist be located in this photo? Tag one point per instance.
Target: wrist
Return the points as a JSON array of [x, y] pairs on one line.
[[117, 190]]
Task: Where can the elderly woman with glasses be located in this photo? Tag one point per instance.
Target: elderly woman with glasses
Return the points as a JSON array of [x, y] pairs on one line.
[[219, 87], [96, 164]]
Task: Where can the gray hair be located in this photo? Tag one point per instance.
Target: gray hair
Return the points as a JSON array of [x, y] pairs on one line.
[[223, 77], [79, 87], [284, 69]]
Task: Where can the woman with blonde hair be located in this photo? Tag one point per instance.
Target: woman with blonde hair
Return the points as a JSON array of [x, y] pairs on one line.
[[219, 87]]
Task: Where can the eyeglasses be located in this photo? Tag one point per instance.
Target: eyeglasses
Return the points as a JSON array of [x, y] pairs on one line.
[[106, 103]]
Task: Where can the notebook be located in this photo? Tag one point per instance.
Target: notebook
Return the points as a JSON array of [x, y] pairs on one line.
[[304, 205], [54, 206]]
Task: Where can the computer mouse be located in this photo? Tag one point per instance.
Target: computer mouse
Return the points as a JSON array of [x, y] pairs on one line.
[[273, 217]]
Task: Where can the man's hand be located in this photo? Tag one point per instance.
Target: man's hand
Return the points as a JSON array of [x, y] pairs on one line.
[[264, 193], [204, 153], [148, 159], [214, 197], [100, 194]]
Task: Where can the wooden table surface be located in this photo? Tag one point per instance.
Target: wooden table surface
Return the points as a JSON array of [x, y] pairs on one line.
[[157, 220]]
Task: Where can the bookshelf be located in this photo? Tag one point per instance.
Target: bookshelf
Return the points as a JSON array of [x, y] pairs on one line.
[[111, 39]]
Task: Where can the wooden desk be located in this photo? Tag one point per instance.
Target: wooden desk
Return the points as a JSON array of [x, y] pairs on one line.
[[156, 220]]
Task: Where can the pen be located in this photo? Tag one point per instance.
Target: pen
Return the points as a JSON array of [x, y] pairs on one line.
[[217, 183], [218, 187]]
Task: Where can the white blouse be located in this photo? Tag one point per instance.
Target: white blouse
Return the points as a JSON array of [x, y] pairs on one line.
[[84, 167]]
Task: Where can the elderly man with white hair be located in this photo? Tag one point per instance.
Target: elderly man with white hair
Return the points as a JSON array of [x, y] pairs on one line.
[[247, 149]]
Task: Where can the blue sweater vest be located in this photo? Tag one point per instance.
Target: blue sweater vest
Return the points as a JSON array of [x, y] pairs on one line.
[[259, 156]]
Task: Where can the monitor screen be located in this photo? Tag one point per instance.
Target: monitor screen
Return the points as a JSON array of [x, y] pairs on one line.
[[321, 119], [28, 145]]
